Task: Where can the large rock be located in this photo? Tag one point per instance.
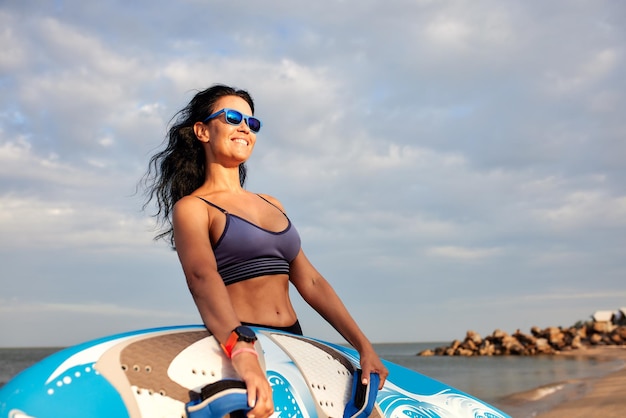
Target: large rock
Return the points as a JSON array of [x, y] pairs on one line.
[[455, 344], [595, 339], [474, 337], [486, 349], [469, 345], [498, 334], [464, 352], [556, 338], [615, 338], [602, 327], [540, 341], [524, 339], [543, 346], [511, 345], [621, 331], [536, 331]]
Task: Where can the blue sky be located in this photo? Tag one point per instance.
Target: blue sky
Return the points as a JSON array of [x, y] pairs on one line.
[[450, 165]]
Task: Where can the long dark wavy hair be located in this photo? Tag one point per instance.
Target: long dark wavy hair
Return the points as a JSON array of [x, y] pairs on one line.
[[180, 169]]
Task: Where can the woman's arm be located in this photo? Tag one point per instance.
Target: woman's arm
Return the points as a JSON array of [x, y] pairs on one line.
[[318, 293], [191, 222], [191, 237]]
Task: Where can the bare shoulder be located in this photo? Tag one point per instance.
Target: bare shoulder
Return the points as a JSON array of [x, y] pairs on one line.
[[189, 207], [188, 202]]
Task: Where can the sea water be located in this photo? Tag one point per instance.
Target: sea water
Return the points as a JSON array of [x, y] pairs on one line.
[[14, 360], [519, 385], [495, 380]]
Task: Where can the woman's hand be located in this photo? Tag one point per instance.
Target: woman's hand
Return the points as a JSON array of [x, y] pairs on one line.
[[259, 389], [371, 363]]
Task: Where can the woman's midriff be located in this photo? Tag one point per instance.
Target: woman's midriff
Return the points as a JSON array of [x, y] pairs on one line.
[[263, 300]]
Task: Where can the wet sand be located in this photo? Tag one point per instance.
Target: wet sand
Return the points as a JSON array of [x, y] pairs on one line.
[[603, 396]]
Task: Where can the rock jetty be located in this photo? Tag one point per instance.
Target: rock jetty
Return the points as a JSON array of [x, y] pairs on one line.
[[551, 340]]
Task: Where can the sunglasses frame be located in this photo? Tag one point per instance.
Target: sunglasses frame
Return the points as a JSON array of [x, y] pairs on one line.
[[241, 116]]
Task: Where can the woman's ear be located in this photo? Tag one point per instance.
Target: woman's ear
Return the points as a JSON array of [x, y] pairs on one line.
[[202, 131]]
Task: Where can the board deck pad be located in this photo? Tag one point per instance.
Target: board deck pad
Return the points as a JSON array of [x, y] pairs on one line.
[[327, 373], [154, 373]]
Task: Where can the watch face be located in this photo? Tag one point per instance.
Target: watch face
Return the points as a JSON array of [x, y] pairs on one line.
[[245, 333]]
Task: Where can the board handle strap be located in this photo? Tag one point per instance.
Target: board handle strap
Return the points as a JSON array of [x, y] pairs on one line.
[[218, 399], [363, 396]]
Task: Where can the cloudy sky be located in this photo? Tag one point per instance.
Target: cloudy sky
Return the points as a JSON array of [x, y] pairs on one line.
[[450, 165]]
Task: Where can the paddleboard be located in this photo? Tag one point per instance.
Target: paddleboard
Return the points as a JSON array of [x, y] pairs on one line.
[[179, 372]]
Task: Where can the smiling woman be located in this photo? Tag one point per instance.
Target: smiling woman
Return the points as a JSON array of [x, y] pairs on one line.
[[239, 250]]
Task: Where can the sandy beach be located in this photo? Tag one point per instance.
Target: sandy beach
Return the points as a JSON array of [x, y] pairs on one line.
[[603, 396]]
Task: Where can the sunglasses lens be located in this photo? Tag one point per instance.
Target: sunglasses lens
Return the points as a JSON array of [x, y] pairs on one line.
[[254, 124], [233, 117]]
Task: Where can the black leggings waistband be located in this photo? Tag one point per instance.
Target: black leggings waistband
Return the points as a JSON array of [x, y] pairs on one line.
[[294, 329]]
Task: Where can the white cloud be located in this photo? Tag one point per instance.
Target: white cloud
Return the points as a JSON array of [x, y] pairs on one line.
[[585, 74], [463, 253], [13, 53], [39, 224], [17, 307], [61, 43], [18, 160], [584, 209]]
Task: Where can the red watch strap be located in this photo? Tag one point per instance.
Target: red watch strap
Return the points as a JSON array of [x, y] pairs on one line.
[[230, 344]]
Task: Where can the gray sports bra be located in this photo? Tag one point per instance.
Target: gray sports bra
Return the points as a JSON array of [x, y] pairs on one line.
[[245, 250]]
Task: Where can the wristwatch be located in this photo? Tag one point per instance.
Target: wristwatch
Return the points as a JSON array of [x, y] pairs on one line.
[[241, 333]]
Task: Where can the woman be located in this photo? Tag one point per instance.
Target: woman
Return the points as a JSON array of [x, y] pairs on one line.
[[239, 250]]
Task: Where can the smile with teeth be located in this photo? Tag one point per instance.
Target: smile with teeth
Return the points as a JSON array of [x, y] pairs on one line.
[[240, 141]]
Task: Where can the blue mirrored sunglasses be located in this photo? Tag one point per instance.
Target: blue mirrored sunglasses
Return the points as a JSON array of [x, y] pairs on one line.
[[234, 117]]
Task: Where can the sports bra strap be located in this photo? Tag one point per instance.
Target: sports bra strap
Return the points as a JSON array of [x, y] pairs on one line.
[[224, 211], [272, 204]]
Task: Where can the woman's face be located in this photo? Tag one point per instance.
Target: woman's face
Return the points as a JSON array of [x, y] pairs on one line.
[[228, 143]]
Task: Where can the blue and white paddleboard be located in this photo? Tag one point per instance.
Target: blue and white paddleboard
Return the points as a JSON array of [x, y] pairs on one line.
[[167, 373]]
